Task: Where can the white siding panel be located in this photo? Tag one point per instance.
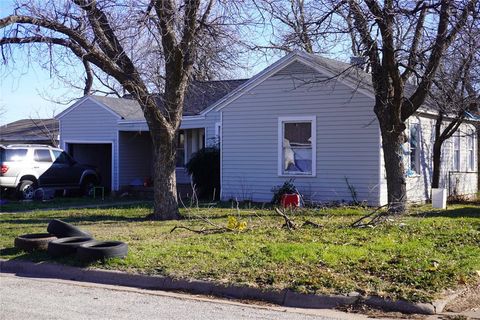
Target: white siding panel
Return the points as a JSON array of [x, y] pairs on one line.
[[419, 186], [347, 139]]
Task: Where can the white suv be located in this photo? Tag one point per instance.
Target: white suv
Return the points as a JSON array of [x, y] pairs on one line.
[[26, 167]]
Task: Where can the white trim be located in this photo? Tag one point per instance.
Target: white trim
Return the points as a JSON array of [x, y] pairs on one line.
[[117, 162], [290, 119], [184, 119], [471, 137], [111, 142], [380, 167], [251, 83], [82, 100], [217, 129], [221, 155], [185, 149], [204, 137], [458, 137], [348, 82], [256, 80]]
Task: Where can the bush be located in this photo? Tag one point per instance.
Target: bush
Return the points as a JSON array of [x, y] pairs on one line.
[[287, 188], [204, 167]]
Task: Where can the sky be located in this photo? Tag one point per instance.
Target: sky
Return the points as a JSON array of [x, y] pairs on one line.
[[29, 91], [25, 87]]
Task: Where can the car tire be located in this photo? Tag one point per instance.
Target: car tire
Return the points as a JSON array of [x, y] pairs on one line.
[[87, 186], [34, 241], [26, 189], [101, 250], [66, 246], [63, 229]]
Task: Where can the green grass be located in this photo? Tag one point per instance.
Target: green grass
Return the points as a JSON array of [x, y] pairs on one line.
[[29, 205], [395, 260]]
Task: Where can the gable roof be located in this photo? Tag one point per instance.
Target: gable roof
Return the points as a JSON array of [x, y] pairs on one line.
[[29, 130], [199, 96], [348, 74]]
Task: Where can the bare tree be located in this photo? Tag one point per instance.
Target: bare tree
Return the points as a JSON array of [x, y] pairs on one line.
[[404, 40], [309, 25], [455, 92], [147, 47]]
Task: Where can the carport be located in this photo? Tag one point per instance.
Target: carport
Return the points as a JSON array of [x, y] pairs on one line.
[[98, 154]]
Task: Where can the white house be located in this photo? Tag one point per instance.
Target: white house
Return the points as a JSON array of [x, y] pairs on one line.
[[304, 117]]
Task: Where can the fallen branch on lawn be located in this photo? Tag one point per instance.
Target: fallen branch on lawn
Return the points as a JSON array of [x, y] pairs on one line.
[[291, 225], [312, 224], [372, 219], [202, 231]]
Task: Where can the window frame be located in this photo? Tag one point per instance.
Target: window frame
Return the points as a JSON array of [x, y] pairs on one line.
[[183, 149], [471, 142], [456, 165], [280, 134], [417, 149]]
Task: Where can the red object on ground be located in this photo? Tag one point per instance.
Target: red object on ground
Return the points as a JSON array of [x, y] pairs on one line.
[[290, 200], [147, 182]]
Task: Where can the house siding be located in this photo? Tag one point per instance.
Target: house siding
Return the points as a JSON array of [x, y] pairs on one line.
[[90, 123], [419, 185], [135, 158], [347, 138]]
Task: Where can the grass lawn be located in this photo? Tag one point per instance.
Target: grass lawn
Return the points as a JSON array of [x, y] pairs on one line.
[[59, 202], [415, 257]]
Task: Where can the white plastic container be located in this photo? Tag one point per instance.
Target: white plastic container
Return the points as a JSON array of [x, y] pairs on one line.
[[439, 198]]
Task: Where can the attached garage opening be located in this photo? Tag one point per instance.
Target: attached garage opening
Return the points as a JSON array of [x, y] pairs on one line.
[[95, 154]]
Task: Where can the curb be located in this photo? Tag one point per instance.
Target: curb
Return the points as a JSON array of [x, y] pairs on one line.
[[285, 297]]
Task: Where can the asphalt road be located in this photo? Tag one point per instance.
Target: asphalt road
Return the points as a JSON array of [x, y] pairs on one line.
[[33, 298]]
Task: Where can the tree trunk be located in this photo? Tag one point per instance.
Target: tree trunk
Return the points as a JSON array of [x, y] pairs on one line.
[[437, 155], [164, 178], [396, 184]]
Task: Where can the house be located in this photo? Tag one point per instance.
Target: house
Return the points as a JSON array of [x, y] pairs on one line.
[[39, 131], [304, 117], [112, 134]]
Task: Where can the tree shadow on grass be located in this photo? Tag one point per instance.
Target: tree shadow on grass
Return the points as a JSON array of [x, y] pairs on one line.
[[34, 256], [465, 212], [42, 256], [75, 219]]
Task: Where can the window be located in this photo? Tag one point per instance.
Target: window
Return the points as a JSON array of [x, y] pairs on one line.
[[14, 155], [456, 152], [62, 157], [297, 147], [181, 149], [42, 155], [414, 151], [471, 150]]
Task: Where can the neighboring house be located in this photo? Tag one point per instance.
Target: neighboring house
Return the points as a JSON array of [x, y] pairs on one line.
[[304, 117], [31, 131]]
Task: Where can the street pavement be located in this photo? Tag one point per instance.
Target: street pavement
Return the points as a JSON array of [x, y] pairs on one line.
[[34, 298]]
